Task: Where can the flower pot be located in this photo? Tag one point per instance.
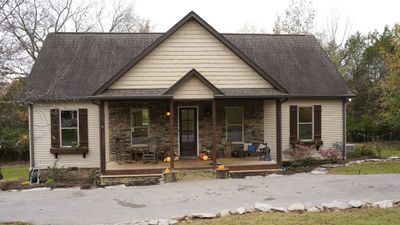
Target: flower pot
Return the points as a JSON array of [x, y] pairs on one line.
[[169, 177]]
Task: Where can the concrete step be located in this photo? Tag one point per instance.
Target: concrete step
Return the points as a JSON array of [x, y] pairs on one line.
[[132, 180]]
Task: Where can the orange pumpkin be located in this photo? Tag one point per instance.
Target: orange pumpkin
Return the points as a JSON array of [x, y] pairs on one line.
[[221, 167], [167, 170]]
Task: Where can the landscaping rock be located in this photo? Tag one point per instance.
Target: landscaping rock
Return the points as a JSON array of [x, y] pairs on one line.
[[313, 209], [383, 204], [335, 205], [275, 175], [296, 207], [394, 158], [278, 209], [179, 217], [37, 189], [357, 203], [331, 165], [241, 210], [262, 207], [116, 186], [224, 213], [319, 171], [203, 215], [374, 160]]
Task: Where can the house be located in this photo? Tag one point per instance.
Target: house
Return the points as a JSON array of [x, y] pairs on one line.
[[186, 88]]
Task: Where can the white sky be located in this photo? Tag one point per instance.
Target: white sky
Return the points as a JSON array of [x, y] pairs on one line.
[[230, 15]]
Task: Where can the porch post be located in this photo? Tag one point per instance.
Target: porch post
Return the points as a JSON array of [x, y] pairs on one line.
[[278, 132], [102, 139], [171, 133], [214, 133]]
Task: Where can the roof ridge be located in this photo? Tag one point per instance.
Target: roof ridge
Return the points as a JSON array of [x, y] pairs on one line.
[[228, 33]]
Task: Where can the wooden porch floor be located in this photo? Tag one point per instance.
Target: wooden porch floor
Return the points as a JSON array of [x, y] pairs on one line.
[[250, 161]]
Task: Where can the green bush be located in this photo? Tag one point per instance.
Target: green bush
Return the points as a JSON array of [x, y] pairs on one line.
[[363, 150]]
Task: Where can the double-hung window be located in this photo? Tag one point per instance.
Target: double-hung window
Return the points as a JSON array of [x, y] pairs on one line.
[[69, 128], [140, 126], [234, 124], [306, 123]]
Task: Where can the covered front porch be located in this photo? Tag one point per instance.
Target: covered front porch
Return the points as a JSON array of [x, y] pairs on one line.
[[186, 129]]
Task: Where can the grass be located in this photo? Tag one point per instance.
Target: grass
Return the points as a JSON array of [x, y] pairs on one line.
[[370, 216], [15, 172], [186, 175], [389, 150], [368, 168]]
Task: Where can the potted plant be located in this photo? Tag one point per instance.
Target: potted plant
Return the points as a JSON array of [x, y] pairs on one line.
[[204, 152]]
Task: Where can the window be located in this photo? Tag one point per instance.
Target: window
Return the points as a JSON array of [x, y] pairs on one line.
[[69, 128], [234, 124], [140, 126], [306, 123]]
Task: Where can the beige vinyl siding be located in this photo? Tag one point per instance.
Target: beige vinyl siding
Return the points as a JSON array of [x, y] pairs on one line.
[[270, 126], [190, 47], [331, 119], [42, 134], [193, 89]]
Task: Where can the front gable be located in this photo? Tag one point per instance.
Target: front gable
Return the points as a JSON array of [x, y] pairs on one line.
[[191, 45], [193, 86]]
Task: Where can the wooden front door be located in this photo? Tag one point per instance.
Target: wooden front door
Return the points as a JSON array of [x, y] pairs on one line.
[[188, 131]]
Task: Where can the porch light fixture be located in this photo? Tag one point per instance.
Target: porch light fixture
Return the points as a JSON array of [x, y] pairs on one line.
[[350, 100], [168, 113]]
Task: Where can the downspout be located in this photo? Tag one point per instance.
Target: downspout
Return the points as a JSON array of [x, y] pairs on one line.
[[344, 152], [31, 137]]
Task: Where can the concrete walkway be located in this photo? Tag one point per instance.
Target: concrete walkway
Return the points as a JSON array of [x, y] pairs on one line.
[[108, 206]]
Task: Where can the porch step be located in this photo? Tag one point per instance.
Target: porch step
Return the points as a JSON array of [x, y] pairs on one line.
[[133, 180], [245, 173]]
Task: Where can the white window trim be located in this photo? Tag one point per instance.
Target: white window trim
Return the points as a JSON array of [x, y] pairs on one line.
[[66, 128], [312, 122], [130, 125], [226, 124]]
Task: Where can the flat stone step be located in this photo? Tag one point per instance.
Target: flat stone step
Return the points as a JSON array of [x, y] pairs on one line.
[[257, 171], [135, 180], [132, 175]]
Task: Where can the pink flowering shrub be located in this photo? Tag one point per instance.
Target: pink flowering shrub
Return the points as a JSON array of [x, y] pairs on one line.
[[298, 153], [329, 153]]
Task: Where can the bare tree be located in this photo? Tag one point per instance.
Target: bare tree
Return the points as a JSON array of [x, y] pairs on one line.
[[298, 18], [251, 28], [26, 23]]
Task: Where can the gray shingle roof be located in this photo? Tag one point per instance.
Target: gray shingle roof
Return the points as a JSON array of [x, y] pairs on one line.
[[75, 65]]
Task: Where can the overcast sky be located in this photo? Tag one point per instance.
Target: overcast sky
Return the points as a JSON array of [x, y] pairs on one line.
[[231, 15]]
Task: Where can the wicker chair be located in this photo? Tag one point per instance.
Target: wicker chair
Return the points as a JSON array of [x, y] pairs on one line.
[[122, 153], [150, 154]]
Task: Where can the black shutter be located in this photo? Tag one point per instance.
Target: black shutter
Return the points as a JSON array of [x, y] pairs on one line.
[[317, 123], [293, 124], [55, 128], [83, 128]]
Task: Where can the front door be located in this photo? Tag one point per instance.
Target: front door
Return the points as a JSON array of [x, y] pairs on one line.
[[188, 131]]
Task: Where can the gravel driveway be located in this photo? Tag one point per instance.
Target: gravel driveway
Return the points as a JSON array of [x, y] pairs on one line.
[[108, 206]]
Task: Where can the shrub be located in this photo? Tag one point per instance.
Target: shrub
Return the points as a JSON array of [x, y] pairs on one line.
[[298, 153], [330, 153], [1, 175], [362, 150]]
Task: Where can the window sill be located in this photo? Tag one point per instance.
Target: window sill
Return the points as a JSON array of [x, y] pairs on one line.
[[318, 143], [69, 151]]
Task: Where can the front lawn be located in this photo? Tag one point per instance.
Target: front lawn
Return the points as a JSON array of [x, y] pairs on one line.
[[368, 168], [354, 217], [15, 172]]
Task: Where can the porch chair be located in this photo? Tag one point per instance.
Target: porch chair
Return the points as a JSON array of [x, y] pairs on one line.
[[150, 153], [122, 153]]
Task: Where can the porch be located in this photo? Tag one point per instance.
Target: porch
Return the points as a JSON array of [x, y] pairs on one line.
[[185, 128]]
